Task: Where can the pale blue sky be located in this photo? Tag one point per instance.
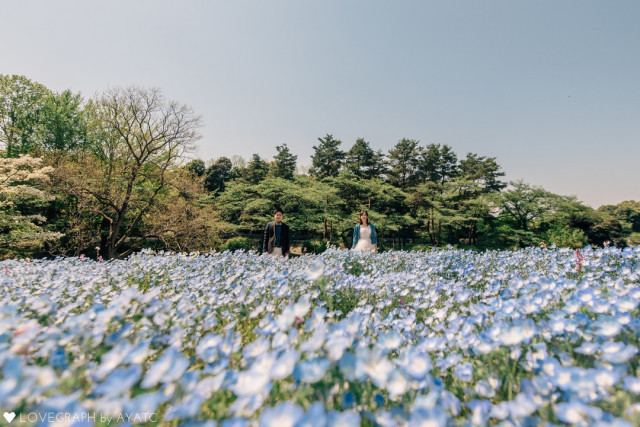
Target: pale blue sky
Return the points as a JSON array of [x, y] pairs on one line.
[[550, 88]]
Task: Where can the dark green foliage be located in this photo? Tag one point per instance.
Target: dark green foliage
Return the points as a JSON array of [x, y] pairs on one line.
[[313, 246], [417, 196], [196, 166], [627, 214], [284, 163], [363, 162], [484, 171], [256, 170], [404, 163], [328, 158], [438, 164], [64, 123], [35, 120], [21, 105], [243, 243], [217, 175]]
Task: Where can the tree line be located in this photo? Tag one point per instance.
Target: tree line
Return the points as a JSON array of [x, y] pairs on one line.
[[110, 175]]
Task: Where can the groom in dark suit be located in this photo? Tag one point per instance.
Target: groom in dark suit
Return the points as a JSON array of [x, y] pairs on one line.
[[275, 240]]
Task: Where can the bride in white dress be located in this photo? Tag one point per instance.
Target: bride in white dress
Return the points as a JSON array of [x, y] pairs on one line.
[[364, 235]]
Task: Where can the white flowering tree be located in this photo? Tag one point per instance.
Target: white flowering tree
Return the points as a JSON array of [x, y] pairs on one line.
[[21, 204]]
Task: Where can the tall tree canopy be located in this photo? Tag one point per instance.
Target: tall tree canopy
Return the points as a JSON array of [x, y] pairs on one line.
[[404, 162], [140, 135], [284, 163], [363, 162], [217, 174], [21, 106], [438, 163], [64, 123], [196, 166], [328, 158], [484, 171], [256, 170]]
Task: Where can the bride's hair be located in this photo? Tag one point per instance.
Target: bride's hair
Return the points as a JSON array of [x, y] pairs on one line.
[[360, 217]]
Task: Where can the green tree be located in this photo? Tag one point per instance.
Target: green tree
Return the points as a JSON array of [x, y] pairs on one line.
[[21, 104], [64, 123], [327, 158], [526, 204], [484, 171], [256, 170], [628, 212], [363, 162], [438, 163], [284, 163], [595, 226], [466, 207], [525, 214], [180, 218], [196, 167], [385, 203], [218, 174], [404, 163], [452, 212], [141, 137], [566, 237], [246, 207]]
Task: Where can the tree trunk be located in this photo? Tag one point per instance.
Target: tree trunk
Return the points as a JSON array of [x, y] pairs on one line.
[[472, 233]]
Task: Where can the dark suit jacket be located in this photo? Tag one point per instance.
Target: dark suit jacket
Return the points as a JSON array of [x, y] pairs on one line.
[[269, 237]]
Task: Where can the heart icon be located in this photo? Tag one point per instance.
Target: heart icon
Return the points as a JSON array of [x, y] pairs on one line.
[[9, 416]]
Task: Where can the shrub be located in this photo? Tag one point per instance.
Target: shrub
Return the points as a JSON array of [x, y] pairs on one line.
[[566, 237], [314, 246], [236, 243]]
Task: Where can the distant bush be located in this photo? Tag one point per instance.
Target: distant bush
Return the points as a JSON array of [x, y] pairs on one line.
[[418, 247], [314, 246], [236, 243], [567, 237]]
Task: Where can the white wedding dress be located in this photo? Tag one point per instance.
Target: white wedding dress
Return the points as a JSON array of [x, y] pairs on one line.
[[364, 241]]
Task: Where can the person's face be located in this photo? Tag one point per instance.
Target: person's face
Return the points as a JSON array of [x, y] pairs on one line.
[[364, 217], [278, 216]]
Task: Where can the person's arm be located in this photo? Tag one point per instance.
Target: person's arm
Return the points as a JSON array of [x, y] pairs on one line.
[[356, 235], [286, 245], [265, 239], [374, 237]]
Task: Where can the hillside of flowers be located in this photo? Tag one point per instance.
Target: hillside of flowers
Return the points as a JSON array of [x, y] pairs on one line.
[[446, 337]]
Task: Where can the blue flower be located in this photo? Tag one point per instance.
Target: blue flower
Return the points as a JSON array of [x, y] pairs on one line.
[[464, 372], [315, 416], [312, 370], [343, 419], [284, 414], [348, 400]]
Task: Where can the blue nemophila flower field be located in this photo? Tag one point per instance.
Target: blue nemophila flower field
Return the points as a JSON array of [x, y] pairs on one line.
[[343, 338]]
